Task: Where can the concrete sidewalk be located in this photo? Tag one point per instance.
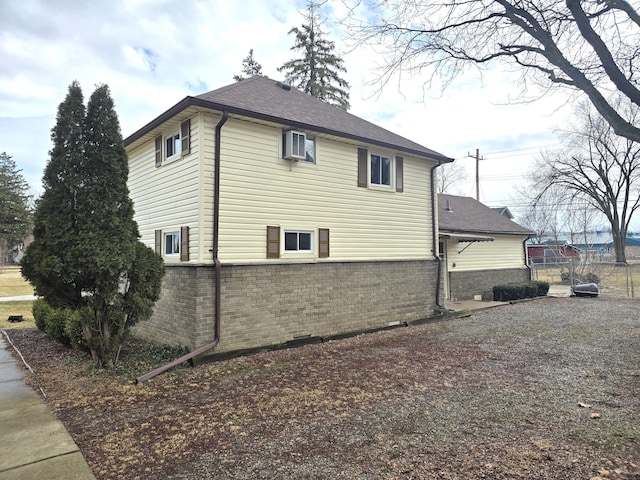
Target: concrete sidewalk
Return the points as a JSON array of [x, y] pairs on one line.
[[17, 298], [559, 291], [34, 445]]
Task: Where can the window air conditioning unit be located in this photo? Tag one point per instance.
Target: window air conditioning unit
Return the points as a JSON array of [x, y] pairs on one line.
[[294, 145]]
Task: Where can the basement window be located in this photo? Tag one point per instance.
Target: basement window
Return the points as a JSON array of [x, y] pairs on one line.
[[296, 241], [172, 243]]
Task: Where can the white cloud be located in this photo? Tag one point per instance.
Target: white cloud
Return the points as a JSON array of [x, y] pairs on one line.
[[152, 53]]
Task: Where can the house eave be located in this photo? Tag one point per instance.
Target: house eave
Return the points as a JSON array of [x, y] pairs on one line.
[[198, 102]]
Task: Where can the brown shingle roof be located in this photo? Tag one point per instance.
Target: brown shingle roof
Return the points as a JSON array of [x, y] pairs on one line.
[[262, 98], [465, 214]]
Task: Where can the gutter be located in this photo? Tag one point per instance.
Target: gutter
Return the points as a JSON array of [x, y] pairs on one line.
[[435, 240], [526, 256], [216, 261], [201, 103]]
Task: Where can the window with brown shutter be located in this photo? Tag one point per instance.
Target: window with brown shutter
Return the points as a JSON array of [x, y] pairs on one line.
[[363, 159], [159, 241], [323, 242], [273, 242], [158, 151], [184, 244], [185, 137], [399, 174]]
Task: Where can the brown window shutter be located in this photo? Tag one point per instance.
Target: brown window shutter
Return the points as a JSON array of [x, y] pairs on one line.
[[185, 136], [323, 242], [158, 151], [399, 174], [273, 242], [363, 158], [159, 241], [184, 244]]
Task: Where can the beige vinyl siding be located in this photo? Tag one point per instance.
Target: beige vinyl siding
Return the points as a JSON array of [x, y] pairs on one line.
[[169, 196], [259, 188], [506, 251]]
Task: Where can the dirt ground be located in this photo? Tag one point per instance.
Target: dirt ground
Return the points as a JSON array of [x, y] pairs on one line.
[[546, 389]]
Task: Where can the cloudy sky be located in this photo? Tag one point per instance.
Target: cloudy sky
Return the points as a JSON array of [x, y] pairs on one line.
[[153, 53]]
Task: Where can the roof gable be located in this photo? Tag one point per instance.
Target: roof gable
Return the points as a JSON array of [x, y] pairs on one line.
[[262, 98], [465, 214]]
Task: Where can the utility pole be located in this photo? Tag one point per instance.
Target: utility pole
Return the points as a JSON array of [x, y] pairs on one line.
[[477, 157]]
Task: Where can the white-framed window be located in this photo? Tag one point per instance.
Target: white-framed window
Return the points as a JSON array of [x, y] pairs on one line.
[[172, 244], [380, 168], [172, 146], [309, 149], [298, 241], [297, 144]]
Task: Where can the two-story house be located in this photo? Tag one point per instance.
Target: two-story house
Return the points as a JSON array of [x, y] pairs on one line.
[[281, 217]]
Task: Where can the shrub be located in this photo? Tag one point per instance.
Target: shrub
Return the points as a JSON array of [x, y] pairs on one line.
[[588, 277], [41, 310], [61, 324], [73, 331], [543, 287], [57, 325], [517, 291]]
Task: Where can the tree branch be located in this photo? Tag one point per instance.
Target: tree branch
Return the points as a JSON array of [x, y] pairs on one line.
[[608, 63]]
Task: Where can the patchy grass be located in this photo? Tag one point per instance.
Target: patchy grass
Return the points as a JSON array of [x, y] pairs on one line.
[[12, 283], [505, 393], [22, 307], [617, 280]]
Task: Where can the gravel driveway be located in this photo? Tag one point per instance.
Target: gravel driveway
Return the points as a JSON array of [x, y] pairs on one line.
[[545, 389]]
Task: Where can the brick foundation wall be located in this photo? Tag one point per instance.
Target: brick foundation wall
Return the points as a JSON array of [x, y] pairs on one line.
[[464, 285], [265, 305]]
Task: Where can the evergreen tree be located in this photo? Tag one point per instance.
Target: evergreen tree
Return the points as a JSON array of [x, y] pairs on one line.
[[15, 216], [249, 68], [88, 258], [50, 261], [318, 71]]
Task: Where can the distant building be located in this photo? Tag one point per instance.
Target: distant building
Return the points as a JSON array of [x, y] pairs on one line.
[[552, 252]]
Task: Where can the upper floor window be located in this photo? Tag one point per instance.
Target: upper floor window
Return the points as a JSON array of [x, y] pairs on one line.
[[172, 146], [380, 170], [377, 170], [310, 149]]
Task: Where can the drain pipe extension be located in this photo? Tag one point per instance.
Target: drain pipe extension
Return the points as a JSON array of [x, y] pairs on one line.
[[216, 261], [434, 233]]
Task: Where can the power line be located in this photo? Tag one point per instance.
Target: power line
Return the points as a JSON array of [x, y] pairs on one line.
[[537, 147]]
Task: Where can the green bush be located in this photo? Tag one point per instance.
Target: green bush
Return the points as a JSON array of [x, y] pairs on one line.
[[73, 331], [41, 311], [518, 291], [543, 288], [61, 324]]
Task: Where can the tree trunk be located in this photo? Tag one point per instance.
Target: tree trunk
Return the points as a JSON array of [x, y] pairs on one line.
[[86, 330], [106, 345], [619, 243]]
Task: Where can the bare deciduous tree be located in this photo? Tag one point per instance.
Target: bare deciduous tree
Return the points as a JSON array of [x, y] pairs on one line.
[[600, 168], [587, 45], [544, 214], [449, 176]]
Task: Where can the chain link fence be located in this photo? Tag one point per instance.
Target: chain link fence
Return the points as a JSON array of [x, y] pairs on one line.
[[613, 279]]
